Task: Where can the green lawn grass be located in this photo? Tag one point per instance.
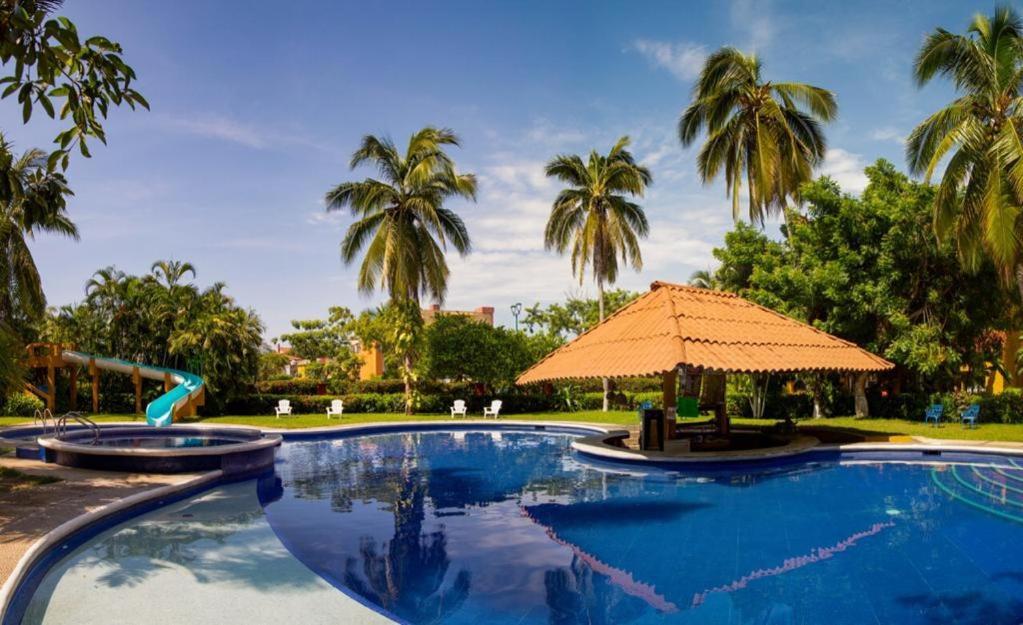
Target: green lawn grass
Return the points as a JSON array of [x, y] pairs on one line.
[[866, 427]]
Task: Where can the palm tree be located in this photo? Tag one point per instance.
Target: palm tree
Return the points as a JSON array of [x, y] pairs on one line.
[[978, 202], [703, 279], [594, 216], [401, 221], [768, 133], [32, 200], [172, 299], [170, 272]]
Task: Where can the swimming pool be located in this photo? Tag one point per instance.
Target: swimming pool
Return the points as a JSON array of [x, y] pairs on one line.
[[513, 527]]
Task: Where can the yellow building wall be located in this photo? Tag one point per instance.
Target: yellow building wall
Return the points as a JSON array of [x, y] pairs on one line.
[[372, 362]]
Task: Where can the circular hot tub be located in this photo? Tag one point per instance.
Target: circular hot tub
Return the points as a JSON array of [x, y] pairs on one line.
[[174, 449]]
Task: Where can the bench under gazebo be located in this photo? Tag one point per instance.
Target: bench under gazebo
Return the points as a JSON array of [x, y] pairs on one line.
[[692, 338]]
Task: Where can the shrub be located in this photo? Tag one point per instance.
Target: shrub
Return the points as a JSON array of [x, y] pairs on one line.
[[594, 400], [1004, 408], [910, 406], [384, 386], [288, 386], [624, 385], [22, 405]]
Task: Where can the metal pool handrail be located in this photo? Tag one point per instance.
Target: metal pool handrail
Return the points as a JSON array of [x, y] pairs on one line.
[[44, 416], [60, 429]]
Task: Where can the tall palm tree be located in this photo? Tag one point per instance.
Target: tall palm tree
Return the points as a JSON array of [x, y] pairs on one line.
[[979, 198], [32, 200], [594, 220], [402, 223], [764, 134]]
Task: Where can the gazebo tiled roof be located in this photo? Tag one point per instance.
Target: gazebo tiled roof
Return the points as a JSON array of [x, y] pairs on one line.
[[675, 325]]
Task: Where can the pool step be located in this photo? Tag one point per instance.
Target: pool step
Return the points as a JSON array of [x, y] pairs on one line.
[[996, 490]]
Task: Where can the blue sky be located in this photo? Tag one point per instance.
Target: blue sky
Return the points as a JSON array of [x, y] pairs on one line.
[[257, 106]]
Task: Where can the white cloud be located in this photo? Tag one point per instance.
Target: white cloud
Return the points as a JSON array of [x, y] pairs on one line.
[[546, 132], [888, 133], [224, 128], [845, 168], [219, 127], [521, 175], [684, 60]]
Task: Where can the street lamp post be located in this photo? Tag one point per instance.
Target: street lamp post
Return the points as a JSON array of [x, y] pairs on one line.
[[516, 309]]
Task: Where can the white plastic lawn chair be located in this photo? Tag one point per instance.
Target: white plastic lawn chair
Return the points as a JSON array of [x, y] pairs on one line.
[[493, 410], [283, 407], [335, 409], [459, 409]]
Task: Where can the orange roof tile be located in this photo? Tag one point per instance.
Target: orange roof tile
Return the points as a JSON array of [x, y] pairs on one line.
[[676, 325]]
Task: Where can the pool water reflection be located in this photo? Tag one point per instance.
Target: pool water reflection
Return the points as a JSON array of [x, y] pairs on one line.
[[467, 528], [507, 527]]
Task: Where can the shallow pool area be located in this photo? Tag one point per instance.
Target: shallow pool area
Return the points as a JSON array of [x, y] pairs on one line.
[[502, 526], [174, 449], [164, 442]]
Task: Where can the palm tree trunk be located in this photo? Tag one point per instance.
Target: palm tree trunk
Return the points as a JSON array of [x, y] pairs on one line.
[[409, 356], [409, 363], [600, 310], [1012, 373]]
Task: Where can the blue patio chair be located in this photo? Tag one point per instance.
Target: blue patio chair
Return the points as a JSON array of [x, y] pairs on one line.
[[969, 415], [933, 413]]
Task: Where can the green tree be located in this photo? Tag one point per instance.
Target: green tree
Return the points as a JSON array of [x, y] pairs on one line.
[[329, 338], [979, 198], [404, 226], [869, 270], [766, 132], [11, 373], [159, 319], [594, 220], [38, 206], [375, 326], [322, 338], [70, 78], [271, 365], [573, 317], [459, 347]]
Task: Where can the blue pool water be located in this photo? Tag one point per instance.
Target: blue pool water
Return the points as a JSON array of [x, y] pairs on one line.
[[512, 527]]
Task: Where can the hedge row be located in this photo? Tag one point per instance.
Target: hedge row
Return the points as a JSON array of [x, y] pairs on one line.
[[514, 403], [391, 402], [1004, 408], [303, 386]]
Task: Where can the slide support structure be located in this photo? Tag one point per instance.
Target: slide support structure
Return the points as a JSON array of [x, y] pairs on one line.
[[183, 391]]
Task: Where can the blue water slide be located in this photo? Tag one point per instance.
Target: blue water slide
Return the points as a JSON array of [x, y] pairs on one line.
[[159, 412]]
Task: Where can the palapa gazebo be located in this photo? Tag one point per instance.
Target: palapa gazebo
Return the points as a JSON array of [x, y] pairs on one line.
[[702, 333]]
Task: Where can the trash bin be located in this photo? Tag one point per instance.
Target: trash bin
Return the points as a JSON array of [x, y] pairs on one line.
[[652, 435]]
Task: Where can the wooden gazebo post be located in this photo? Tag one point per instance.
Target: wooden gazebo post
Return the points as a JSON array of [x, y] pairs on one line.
[[669, 382], [94, 372], [136, 377]]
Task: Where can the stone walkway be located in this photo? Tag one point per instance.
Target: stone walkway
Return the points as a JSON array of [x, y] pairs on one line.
[[27, 514]]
